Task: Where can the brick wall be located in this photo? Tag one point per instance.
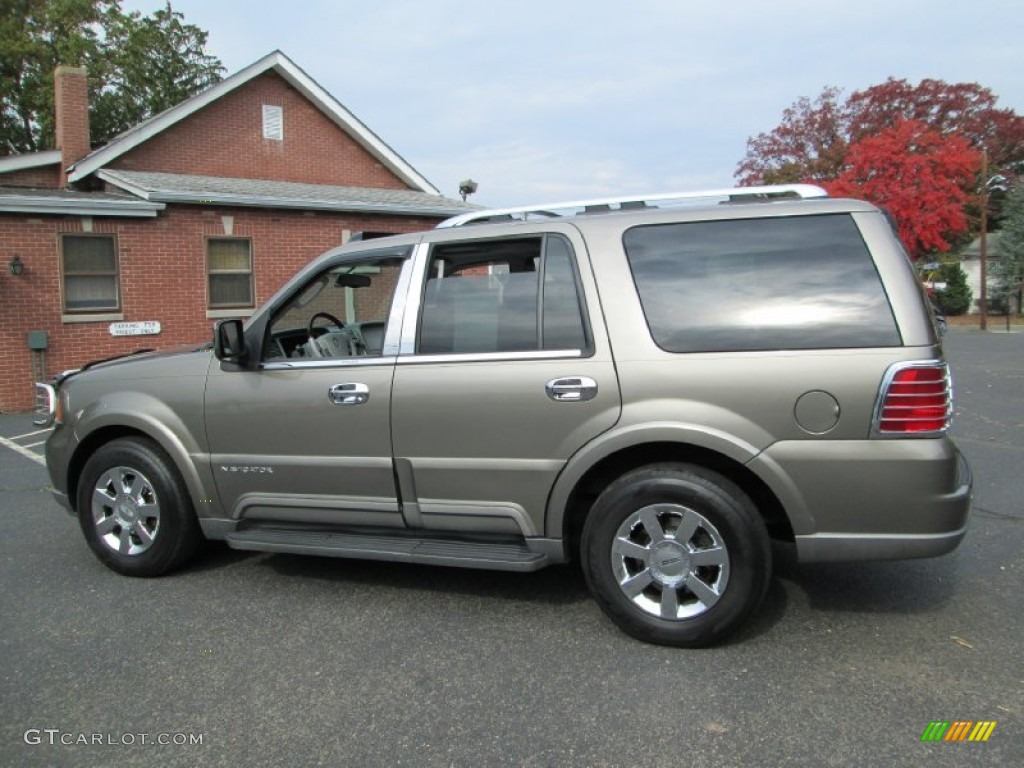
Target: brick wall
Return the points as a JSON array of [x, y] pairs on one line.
[[226, 139], [46, 177], [162, 277]]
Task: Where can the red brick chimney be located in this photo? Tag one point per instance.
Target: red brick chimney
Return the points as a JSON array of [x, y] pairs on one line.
[[71, 115]]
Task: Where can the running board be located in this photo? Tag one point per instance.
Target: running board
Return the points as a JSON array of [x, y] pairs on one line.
[[460, 554]]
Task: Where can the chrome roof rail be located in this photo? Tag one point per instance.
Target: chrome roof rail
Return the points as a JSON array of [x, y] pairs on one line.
[[633, 202]]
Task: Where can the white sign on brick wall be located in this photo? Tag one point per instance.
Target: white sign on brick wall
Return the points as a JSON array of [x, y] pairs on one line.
[[137, 328]]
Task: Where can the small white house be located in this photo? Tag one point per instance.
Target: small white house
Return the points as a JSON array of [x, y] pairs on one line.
[[971, 262]]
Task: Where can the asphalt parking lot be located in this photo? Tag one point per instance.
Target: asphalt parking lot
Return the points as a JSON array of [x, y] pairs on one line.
[[282, 660]]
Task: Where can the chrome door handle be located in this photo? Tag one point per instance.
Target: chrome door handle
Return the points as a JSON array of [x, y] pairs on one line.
[[571, 389], [352, 393]]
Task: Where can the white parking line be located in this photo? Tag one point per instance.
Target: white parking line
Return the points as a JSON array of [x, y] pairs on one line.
[[29, 434], [23, 451], [33, 445]]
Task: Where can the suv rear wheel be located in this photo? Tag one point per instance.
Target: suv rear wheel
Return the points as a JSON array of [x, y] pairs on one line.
[[134, 510], [676, 554]]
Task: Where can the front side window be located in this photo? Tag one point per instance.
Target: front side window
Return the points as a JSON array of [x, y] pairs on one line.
[[510, 295], [90, 273], [340, 313], [229, 272], [799, 282]]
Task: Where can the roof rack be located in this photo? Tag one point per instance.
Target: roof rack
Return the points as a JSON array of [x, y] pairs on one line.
[[633, 202]]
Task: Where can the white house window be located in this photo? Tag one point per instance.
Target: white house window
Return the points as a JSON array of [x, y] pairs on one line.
[[89, 271], [273, 122], [229, 272]]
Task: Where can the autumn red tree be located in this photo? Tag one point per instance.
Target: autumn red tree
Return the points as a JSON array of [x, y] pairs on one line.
[[809, 145], [918, 175], [966, 109], [811, 141]]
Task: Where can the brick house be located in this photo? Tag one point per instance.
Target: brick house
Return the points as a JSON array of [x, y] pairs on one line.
[[198, 213]]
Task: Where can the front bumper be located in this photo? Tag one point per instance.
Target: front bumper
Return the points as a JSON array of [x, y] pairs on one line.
[[60, 447]]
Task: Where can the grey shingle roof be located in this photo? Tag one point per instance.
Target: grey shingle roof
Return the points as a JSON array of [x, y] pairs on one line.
[[74, 202], [178, 188]]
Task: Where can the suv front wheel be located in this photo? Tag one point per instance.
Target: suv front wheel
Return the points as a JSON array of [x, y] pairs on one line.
[[676, 554], [134, 509]]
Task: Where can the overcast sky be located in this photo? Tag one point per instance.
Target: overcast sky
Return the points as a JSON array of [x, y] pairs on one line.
[[557, 100]]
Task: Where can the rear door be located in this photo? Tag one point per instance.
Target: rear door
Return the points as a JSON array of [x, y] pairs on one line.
[[505, 372]]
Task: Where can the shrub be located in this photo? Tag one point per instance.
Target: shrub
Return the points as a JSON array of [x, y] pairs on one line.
[[955, 298]]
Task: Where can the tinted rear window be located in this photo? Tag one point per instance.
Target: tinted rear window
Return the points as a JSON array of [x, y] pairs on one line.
[[804, 282]]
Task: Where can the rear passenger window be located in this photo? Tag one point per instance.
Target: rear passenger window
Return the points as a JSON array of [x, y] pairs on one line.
[[801, 282], [563, 315], [511, 295]]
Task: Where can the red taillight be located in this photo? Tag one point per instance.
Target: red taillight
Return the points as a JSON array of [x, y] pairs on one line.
[[916, 399]]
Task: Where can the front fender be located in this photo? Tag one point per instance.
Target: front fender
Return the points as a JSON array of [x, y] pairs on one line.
[[154, 418]]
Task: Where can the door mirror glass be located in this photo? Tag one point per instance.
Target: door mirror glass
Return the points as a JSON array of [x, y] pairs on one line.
[[229, 341]]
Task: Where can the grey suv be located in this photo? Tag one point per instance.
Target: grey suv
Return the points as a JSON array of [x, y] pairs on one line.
[[656, 386]]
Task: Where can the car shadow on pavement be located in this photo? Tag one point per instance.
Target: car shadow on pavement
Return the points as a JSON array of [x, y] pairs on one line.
[[897, 586], [557, 584]]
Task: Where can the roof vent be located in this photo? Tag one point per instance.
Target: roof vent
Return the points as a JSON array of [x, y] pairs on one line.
[[273, 122]]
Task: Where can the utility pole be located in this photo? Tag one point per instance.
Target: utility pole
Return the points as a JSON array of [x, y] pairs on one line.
[[983, 251]]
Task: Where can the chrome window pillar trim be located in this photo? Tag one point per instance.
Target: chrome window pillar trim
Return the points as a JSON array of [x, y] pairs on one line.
[[400, 301], [414, 300]]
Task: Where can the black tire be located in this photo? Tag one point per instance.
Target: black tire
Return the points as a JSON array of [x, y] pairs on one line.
[[134, 510], [660, 585]]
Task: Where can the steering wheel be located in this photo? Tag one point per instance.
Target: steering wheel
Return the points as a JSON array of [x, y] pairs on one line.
[[314, 348], [329, 316]]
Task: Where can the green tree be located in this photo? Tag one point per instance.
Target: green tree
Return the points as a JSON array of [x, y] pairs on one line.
[[955, 298], [138, 65], [1008, 270]]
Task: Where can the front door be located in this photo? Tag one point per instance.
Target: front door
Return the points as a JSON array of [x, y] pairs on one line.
[[305, 438]]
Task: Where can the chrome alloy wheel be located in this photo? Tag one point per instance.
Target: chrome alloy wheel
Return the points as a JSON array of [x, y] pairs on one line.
[[670, 561], [125, 510]]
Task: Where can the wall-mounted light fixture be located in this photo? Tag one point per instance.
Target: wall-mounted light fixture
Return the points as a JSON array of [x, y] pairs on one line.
[[15, 265]]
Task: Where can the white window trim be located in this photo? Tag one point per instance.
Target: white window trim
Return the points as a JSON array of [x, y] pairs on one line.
[[221, 314], [109, 317]]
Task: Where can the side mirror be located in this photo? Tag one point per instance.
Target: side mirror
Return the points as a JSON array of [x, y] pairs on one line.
[[229, 341]]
